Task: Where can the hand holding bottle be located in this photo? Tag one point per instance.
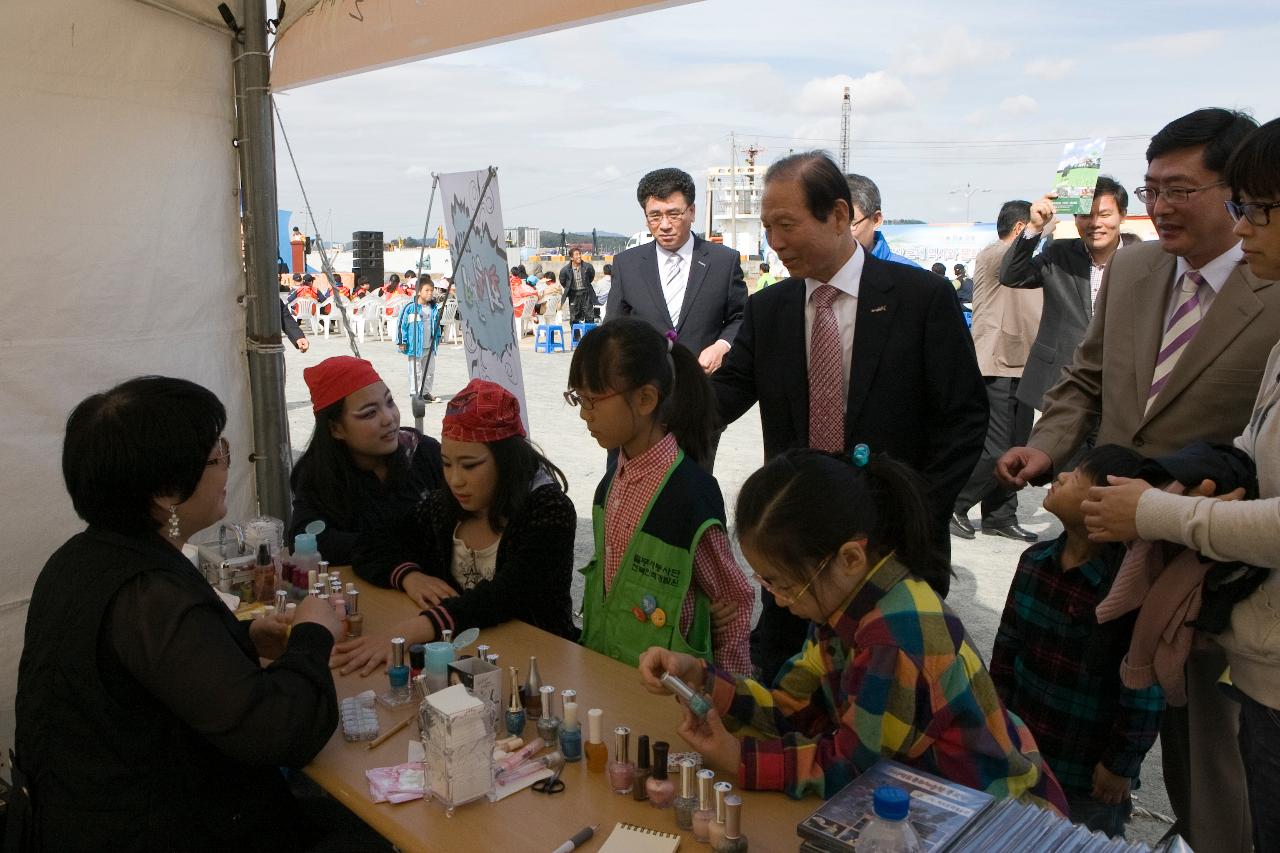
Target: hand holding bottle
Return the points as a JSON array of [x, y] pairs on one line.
[[656, 660], [707, 735]]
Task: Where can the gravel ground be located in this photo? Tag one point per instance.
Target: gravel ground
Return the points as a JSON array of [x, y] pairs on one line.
[[984, 566]]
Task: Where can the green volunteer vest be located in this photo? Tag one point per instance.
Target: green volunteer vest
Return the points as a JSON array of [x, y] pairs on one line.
[[659, 562]]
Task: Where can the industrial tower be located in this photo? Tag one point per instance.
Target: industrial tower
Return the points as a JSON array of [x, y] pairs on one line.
[[845, 109]]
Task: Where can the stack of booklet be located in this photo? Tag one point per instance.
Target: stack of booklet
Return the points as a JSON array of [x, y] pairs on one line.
[[951, 818], [459, 746]]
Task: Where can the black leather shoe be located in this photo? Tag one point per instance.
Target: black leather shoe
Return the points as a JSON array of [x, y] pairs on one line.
[[960, 526], [1012, 531]]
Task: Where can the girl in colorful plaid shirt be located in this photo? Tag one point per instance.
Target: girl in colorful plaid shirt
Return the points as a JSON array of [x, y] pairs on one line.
[[887, 670]]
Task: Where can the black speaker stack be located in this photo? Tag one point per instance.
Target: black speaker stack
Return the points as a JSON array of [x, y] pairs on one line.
[[366, 261]]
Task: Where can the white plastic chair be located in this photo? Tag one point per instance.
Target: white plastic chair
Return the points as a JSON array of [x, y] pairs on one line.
[[391, 316], [327, 322], [357, 317], [305, 310], [527, 316], [551, 315], [449, 320]]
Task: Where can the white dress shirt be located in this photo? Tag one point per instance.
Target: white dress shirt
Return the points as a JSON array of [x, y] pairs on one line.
[[674, 293], [847, 280], [1215, 273]]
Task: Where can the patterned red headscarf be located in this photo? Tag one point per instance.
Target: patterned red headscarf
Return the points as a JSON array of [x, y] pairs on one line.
[[484, 411]]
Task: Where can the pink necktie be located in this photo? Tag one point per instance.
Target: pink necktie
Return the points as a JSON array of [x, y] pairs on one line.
[[826, 374], [1182, 327]]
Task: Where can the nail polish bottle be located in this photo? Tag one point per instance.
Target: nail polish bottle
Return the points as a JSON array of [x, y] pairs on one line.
[[398, 673], [515, 712], [705, 813], [548, 723], [734, 841], [571, 733], [622, 772], [417, 659], [642, 768], [597, 752], [532, 696], [687, 800], [716, 833], [355, 620], [482, 652], [661, 790]]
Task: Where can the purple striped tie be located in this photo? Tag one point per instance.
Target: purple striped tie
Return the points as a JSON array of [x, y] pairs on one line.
[[1181, 329]]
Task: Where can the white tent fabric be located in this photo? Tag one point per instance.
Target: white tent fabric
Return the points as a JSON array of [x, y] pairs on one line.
[[121, 247]]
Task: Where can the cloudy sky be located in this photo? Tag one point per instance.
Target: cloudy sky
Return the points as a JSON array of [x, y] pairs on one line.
[[945, 94]]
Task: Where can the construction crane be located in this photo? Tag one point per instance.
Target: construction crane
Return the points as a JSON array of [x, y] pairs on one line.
[[845, 110]]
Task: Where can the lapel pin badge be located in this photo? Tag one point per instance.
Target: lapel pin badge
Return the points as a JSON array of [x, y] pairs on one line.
[[879, 308]]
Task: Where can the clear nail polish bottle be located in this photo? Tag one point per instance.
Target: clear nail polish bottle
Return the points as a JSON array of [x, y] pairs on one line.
[[548, 723], [734, 841], [622, 772], [687, 799], [642, 768], [716, 830], [661, 790], [705, 813]]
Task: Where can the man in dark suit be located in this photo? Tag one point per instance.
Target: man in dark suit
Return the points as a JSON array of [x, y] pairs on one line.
[[679, 281], [575, 281], [884, 360], [1070, 272]]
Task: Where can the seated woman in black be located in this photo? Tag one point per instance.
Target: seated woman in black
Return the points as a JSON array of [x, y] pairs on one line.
[[361, 469], [497, 544], [144, 718]]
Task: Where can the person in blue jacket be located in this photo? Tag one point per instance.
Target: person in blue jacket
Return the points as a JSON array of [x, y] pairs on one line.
[[867, 219], [420, 323]]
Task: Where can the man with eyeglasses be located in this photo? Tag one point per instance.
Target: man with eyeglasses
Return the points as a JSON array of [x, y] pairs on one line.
[[867, 219], [679, 281], [1174, 354]]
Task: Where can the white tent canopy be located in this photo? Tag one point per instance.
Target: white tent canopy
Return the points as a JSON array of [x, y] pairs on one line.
[[122, 230]]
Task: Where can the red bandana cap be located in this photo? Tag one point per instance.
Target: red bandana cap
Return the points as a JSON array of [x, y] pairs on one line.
[[335, 378], [484, 411]]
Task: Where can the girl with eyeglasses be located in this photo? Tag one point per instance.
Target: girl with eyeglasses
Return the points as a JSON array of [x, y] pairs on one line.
[[662, 555], [887, 669]]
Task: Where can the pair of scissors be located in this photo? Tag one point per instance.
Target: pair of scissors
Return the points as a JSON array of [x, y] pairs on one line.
[[552, 784]]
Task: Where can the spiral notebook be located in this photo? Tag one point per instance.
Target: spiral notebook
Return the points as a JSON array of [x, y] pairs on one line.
[[628, 838]]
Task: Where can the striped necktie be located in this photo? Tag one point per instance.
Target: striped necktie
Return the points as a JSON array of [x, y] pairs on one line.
[[673, 288], [826, 373], [1182, 327]]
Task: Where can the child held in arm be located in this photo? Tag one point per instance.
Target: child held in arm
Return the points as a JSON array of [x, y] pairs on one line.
[[1059, 670], [886, 671], [662, 555]]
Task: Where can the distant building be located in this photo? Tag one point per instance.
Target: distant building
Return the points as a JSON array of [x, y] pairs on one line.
[[732, 207], [524, 237]]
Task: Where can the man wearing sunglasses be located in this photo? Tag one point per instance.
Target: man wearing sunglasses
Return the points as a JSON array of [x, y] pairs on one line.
[[1174, 354]]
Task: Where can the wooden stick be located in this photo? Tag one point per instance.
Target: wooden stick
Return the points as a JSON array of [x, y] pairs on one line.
[[382, 738]]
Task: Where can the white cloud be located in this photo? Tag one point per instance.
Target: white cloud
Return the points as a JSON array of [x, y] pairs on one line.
[[945, 50], [1049, 69], [1171, 49], [876, 92], [1019, 105]]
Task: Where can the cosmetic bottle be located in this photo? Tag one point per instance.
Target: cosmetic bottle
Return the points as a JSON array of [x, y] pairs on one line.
[[733, 841], [548, 722], [355, 621], [281, 600], [720, 790], [687, 800], [697, 703], [705, 813], [642, 768], [322, 576], [482, 652], [661, 790], [398, 672], [622, 772], [313, 577], [515, 712], [532, 697], [340, 609], [417, 659], [597, 752], [335, 576], [492, 658], [306, 557], [264, 575], [446, 635], [571, 733]]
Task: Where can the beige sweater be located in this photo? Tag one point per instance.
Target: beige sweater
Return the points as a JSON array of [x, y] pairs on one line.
[[1248, 531]]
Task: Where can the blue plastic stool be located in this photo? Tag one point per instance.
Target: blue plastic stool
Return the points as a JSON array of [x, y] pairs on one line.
[[578, 330], [548, 339]]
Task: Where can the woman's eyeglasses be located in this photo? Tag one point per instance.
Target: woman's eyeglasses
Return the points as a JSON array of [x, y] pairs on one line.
[[785, 599], [573, 398], [222, 455]]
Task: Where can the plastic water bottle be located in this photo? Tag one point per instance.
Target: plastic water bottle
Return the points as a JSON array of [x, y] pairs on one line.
[[889, 831]]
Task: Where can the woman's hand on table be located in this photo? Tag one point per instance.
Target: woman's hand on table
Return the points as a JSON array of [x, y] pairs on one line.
[[426, 591], [656, 660], [269, 635], [708, 736], [314, 609], [371, 652]]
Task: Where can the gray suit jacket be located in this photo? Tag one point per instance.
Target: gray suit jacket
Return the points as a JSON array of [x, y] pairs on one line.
[[713, 300], [1210, 393]]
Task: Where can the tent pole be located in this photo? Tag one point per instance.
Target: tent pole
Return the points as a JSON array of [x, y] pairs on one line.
[[272, 456]]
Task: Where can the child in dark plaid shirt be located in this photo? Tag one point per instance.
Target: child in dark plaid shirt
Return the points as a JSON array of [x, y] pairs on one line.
[[1058, 670]]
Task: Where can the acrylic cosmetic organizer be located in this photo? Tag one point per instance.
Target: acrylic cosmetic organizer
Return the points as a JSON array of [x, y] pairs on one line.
[[458, 739]]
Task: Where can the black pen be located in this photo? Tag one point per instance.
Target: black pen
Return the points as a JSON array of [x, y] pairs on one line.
[[577, 841]]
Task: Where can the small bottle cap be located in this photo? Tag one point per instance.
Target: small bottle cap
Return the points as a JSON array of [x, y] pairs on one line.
[[622, 744], [323, 596], [268, 611], [570, 715], [334, 574], [733, 816], [313, 577], [722, 790], [706, 797], [567, 696], [323, 566], [482, 651], [446, 635], [546, 691], [688, 779], [351, 588], [290, 608], [595, 724], [642, 752], [417, 656], [282, 598], [891, 803], [323, 579], [514, 704], [397, 650], [492, 658], [353, 600], [660, 750]]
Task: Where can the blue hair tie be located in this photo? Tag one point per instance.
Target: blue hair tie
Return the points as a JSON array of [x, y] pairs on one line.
[[861, 453]]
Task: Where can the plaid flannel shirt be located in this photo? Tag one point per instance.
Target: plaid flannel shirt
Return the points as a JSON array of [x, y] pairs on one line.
[[890, 674], [1057, 669]]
